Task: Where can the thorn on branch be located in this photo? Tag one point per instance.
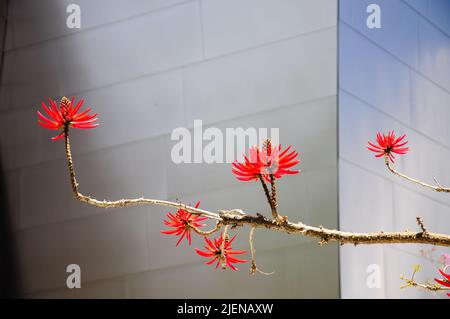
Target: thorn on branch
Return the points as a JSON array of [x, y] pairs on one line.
[[439, 187], [421, 225], [260, 216]]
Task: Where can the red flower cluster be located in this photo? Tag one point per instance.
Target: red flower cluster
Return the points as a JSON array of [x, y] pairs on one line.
[[66, 115], [388, 144], [183, 222], [223, 255], [445, 281], [264, 162]]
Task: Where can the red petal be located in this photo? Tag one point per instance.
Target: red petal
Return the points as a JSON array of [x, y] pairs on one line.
[[48, 126], [203, 253], [446, 276], [441, 282], [235, 260], [49, 112], [169, 232], [231, 265], [61, 135], [77, 107], [211, 261], [180, 239], [56, 112]]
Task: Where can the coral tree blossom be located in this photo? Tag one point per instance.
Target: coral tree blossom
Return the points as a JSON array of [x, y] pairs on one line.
[[388, 144], [225, 256], [445, 281], [182, 223], [266, 161], [66, 115]]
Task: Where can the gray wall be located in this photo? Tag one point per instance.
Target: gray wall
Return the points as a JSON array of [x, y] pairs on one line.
[[148, 67], [396, 77]]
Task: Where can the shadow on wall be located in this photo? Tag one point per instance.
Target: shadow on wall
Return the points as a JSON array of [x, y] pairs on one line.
[[9, 283]]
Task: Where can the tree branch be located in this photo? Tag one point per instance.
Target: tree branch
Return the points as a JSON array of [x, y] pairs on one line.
[[123, 202], [426, 286], [269, 197], [421, 224], [208, 232], [238, 218], [410, 282], [437, 188], [254, 268], [225, 238], [274, 196]]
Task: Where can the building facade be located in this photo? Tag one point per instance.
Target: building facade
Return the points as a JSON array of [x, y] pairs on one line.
[[310, 68]]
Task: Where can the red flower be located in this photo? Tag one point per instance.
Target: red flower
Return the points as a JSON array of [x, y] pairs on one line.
[[444, 281], [66, 115], [388, 144], [214, 251], [268, 160], [182, 222]]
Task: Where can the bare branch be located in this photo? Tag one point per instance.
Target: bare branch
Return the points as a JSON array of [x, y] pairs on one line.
[[208, 232], [410, 282], [330, 235], [421, 224], [124, 202], [437, 188], [254, 268], [426, 286], [268, 196], [274, 197], [222, 247], [238, 218]]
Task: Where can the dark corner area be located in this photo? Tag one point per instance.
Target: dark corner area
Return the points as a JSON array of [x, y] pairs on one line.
[[9, 287]]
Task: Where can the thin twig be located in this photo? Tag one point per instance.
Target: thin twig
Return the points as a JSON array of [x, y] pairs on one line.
[[268, 196], [410, 282], [222, 247], [421, 224], [254, 268], [274, 196], [124, 202], [426, 286], [216, 228], [437, 188]]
